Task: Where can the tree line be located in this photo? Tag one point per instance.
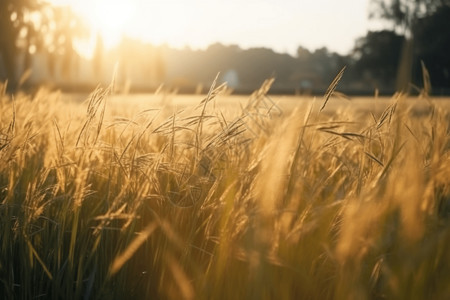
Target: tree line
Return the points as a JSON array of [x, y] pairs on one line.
[[386, 60]]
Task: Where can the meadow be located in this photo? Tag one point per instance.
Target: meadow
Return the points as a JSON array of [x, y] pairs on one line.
[[111, 199]]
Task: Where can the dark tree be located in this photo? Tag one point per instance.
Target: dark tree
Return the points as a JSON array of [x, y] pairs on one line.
[[432, 38], [27, 26], [16, 30], [424, 23], [378, 56], [404, 13]]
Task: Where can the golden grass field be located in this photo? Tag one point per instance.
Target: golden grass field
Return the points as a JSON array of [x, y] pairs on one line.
[[110, 199]]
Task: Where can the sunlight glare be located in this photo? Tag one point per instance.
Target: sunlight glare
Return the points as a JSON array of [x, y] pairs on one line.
[[280, 25], [157, 22], [109, 19]]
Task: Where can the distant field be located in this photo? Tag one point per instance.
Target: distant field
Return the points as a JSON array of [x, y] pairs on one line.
[[224, 197], [287, 103]]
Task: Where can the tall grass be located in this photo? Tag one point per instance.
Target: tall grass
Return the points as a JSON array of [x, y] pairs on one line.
[[100, 201]]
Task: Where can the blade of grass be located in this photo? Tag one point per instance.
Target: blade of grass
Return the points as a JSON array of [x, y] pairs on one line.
[[332, 88]]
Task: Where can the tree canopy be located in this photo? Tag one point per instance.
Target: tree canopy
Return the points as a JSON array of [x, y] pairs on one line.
[[404, 14], [28, 26], [377, 57], [424, 26]]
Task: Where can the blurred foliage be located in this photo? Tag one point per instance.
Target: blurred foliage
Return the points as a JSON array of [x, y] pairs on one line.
[[377, 56], [386, 60], [28, 26], [404, 14], [308, 72], [420, 33], [432, 38]]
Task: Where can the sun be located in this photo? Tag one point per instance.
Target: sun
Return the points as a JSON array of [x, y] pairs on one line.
[[158, 22], [109, 18]]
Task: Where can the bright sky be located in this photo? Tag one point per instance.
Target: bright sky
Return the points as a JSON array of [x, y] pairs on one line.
[[282, 25]]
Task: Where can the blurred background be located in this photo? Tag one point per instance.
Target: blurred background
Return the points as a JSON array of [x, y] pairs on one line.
[[182, 45]]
